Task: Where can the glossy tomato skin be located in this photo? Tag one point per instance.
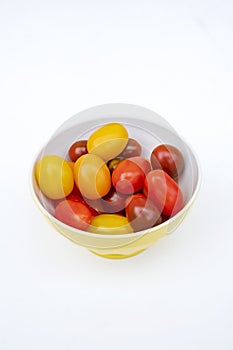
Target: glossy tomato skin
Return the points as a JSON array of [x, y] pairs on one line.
[[108, 141], [110, 224], [77, 150], [74, 214], [143, 163], [112, 203], [92, 176], [169, 159], [78, 198], [132, 149], [71, 165], [164, 192], [128, 177], [141, 213], [54, 177], [134, 196]]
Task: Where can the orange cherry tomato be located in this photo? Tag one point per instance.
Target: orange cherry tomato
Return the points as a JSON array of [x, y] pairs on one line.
[[92, 176]]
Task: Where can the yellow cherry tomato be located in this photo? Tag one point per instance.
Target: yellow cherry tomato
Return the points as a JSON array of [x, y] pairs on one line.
[[92, 176], [110, 224], [108, 141], [54, 176]]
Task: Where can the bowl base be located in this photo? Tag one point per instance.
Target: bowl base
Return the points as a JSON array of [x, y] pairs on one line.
[[116, 256]]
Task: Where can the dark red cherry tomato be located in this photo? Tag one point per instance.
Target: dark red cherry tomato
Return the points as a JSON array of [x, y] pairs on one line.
[[141, 213], [128, 177], [77, 150], [74, 214], [132, 149], [169, 159], [163, 192], [112, 203]]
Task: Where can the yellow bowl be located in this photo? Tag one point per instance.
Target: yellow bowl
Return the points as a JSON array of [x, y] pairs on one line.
[[149, 129]]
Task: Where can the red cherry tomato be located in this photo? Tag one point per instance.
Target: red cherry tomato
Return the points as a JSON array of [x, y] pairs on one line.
[[128, 177], [169, 159], [132, 149], [74, 214], [136, 195], [76, 196], [143, 163], [163, 192], [141, 213], [77, 150]]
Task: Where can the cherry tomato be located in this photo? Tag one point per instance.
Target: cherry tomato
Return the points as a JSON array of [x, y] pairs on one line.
[[113, 202], [92, 176], [143, 163], [77, 150], [163, 192], [128, 177], [54, 176], [74, 214], [76, 198], [134, 196], [141, 213], [113, 163], [108, 141], [76, 192], [110, 224], [132, 149], [169, 159]]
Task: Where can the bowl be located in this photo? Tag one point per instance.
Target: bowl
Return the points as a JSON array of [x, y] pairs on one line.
[[149, 129]]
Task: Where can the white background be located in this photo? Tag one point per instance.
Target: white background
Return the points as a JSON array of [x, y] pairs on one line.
[[59, 57]]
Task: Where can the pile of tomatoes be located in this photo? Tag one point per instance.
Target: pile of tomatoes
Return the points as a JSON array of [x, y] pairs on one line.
[[108, 187]]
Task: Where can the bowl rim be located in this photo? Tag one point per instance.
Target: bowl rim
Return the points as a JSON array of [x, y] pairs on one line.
[[116, 235]]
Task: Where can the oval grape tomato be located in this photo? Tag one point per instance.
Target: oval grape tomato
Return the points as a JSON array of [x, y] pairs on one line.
[[92, 176], [163, 192], [108, 141], [54, 176]]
